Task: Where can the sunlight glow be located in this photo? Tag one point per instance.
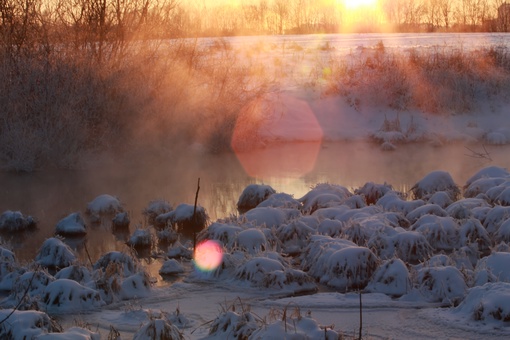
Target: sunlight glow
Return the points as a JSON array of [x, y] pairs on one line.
[[355, 4], [208, 255]]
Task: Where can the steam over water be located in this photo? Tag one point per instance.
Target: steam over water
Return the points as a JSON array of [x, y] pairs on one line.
[[52, 195]]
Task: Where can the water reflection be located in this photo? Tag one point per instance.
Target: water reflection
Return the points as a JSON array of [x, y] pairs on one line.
[[50, 196]]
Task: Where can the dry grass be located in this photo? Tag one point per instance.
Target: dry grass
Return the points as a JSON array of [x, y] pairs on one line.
[[438, 80]]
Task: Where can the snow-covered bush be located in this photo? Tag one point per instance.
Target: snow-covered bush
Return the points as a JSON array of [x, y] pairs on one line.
[[411, 247], [269, 273], [280, 200], [231, 325], [472, 232], [156, 208], [103, 205], [321, 201], [72, 225], [482, 185], [268, 217], [504, 197], [434, 182], [171, 267], [310, 200], [493, 268], [180, 251], [441, 198], [31, 283], [137, 285], [25, 324], [442, 284], [253, 195], [349, 268], [294, 236], [55, 254], [488, 172], [121, 221], [441, 233], [294, 326], [393, 202], [74, 333], [141, 238], [390, 278], [495, 217], [167, 235], [427, 209], [125, 264], [503, 233], [157, 329], [330, 227], [80, 274], [464, 208], [68, 296], [373, 192], [316, 254], [183, 218], [224, 233], [13, 221], [7, 262], [487, 303], [252, 241]]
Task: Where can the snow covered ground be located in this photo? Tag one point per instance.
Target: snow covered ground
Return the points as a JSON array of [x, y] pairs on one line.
[[431, 262]]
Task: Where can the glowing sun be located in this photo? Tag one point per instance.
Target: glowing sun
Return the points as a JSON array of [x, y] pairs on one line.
[[356, 4]]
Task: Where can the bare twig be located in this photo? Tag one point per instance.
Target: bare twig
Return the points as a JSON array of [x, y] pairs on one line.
[[23, 297], [475, 154]]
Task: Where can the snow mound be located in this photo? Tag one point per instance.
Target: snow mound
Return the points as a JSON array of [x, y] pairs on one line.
[[24, 324], [55, 254], [103, 205], [171, 267], [296, 327], [293, 237], [373, 192], [493, 268], [349, 268], [121, 221], [73, 333], [13, 221], [158, 329], [391, 278], [156, 208], [488, 172], [269, 273], [490, 302], [434, 182], [392, 201], [141, 238], [68, 296], [125, 264], [184, 218], [253, 195], [444, 284], [252, 241], [281, 200], [267, 217], [72, 225], [338, 193]]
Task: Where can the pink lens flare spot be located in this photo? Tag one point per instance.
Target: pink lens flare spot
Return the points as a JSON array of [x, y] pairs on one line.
[[208, 255]]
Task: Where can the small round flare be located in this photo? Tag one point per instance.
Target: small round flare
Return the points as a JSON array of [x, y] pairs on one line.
[[208, 255]]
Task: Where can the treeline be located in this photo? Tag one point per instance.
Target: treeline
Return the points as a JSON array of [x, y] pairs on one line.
[[82, 77], [24, 23], [311, 16]]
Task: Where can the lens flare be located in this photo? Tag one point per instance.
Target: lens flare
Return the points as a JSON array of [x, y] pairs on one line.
[[208, 255]]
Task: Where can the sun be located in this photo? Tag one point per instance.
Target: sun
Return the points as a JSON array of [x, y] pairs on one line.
[[356, 4]]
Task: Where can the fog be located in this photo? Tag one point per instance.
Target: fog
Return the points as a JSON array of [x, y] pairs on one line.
[[291, 168]]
